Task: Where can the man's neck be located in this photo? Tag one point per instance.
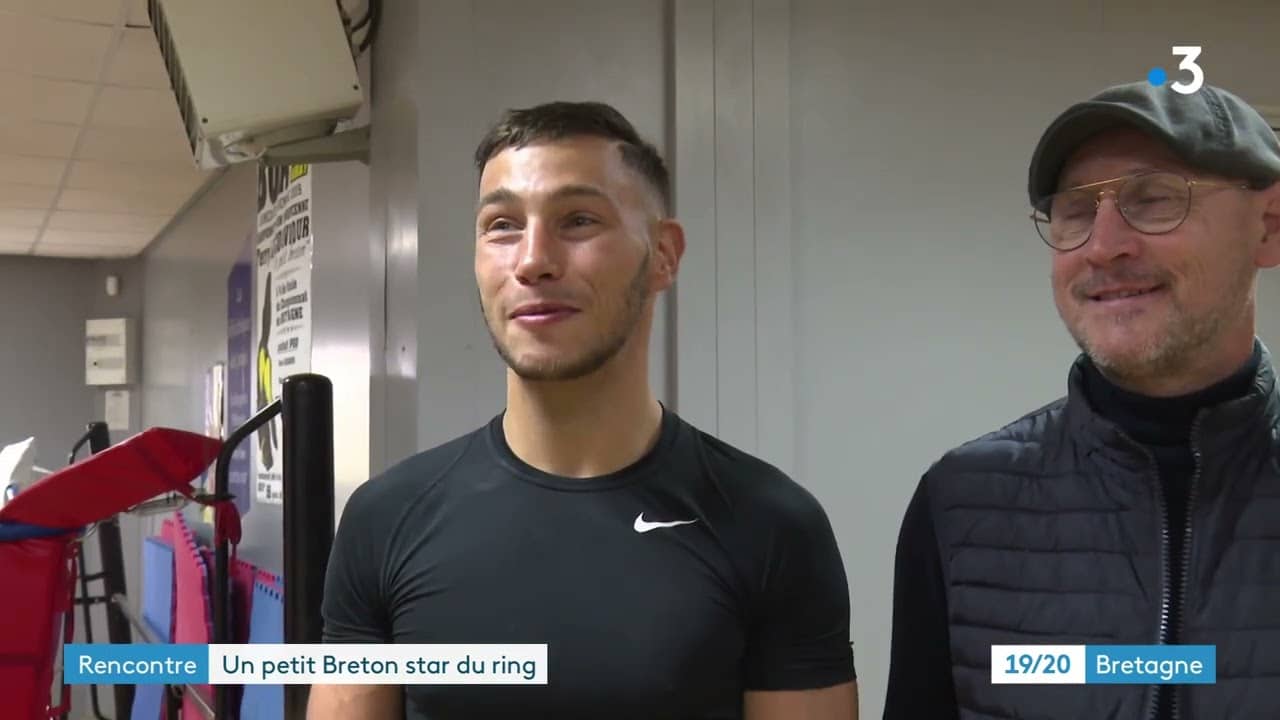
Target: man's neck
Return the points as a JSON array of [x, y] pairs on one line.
[[1192, 377], [586, 427], [1163, 421]]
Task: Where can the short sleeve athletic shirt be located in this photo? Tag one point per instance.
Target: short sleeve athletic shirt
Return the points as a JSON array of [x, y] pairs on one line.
[[664, 590]]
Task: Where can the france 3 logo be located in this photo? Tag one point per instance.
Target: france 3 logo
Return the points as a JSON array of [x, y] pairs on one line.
[[1157, 75]]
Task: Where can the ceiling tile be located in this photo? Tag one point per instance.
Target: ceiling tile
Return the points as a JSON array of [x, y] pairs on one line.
[[99, 11], [86, 251], [137, 62], [130, 177], [15, 249], [137, 146], [24, 137], [138, 16], [142, 108], [32, 98], [22, 218], [18, 236], [355, 8], [31, 170], [103, 222], [30, 197], [79, 237], [53, 48], [108, 201], [103, 12]]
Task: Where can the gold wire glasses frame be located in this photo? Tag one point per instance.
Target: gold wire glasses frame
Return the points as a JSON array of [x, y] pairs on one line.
[[1153, 203]]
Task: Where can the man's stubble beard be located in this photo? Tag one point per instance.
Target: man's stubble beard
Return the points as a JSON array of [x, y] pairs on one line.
[[599, 353]]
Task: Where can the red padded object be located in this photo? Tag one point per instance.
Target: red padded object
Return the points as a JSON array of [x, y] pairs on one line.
[[36, 621], [36, 613], [149, 464]]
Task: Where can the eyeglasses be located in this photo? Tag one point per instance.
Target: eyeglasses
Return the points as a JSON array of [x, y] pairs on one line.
[[1153, 203]]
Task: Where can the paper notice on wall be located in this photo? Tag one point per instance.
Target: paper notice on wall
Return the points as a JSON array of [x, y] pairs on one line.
[[282, 329], [116, 409]]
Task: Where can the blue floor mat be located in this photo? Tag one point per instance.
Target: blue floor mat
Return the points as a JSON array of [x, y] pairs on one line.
[[266, 625], [148, 702], [157, 587]]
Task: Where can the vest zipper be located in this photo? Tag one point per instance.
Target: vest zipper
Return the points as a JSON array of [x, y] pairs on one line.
[[1168, 633], [1193, 493], [1162, 636]]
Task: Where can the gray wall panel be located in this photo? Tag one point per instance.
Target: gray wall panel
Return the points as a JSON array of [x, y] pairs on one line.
[[342, 293], [393, 204], [694, 167], [43, 305]]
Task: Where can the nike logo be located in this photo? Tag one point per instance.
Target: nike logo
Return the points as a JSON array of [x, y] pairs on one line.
[[644, 526]]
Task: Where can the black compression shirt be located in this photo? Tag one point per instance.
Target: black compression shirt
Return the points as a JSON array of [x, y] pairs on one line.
[[467, 544]]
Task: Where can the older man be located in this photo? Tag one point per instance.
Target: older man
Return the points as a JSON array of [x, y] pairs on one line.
[[1144, 507]]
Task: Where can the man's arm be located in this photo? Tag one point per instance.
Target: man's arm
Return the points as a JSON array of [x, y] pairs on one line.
[[920, 681], [355, 702], [839, 702], [355, 609], [799, 660]]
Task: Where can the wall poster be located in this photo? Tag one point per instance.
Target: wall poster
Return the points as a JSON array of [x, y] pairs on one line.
[[282, 328]]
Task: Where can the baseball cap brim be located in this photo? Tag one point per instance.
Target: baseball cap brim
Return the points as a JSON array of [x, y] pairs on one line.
[[1210, 130], [1072, 129]]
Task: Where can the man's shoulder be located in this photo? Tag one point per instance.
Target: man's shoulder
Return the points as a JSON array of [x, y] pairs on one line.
[[748, 482], [397, 487], [1023, 444]]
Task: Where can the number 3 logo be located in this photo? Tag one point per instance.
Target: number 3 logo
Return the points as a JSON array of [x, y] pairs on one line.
[[1189, 54]]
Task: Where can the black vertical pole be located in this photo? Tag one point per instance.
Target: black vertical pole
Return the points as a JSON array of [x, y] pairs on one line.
[[223, 707], [99, 437], [111, 556], [308, 514]]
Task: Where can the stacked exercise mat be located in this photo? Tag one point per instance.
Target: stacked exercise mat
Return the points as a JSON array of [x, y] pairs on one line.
[[177, 607]]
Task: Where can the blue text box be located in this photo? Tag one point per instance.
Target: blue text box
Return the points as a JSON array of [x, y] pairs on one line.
[[92, 664], [1151, 664]]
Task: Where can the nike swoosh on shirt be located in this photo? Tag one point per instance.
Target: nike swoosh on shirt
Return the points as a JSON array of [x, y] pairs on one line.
[[644, 526]]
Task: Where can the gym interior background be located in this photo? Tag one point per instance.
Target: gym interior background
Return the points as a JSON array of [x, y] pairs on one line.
[[862, 288]]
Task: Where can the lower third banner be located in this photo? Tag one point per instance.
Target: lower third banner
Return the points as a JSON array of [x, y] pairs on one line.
[[1103, 664], [281, 664]]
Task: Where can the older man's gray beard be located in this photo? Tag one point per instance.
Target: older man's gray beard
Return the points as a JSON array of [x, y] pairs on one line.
[[598, 353], [1184, 340], [1161, 355]]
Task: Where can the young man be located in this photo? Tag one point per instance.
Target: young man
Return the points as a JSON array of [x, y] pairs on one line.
[[670, 575], [1142, 508]]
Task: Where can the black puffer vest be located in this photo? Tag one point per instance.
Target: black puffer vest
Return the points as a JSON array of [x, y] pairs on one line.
[[1053, 530]]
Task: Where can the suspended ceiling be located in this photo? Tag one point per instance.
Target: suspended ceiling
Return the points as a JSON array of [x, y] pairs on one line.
[[93, 159]]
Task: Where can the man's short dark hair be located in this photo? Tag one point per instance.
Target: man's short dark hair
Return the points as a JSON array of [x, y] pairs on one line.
[[560, 120]]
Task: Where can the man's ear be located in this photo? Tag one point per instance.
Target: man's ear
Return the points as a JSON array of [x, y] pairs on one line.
[[668, 249], [1268, 251]]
